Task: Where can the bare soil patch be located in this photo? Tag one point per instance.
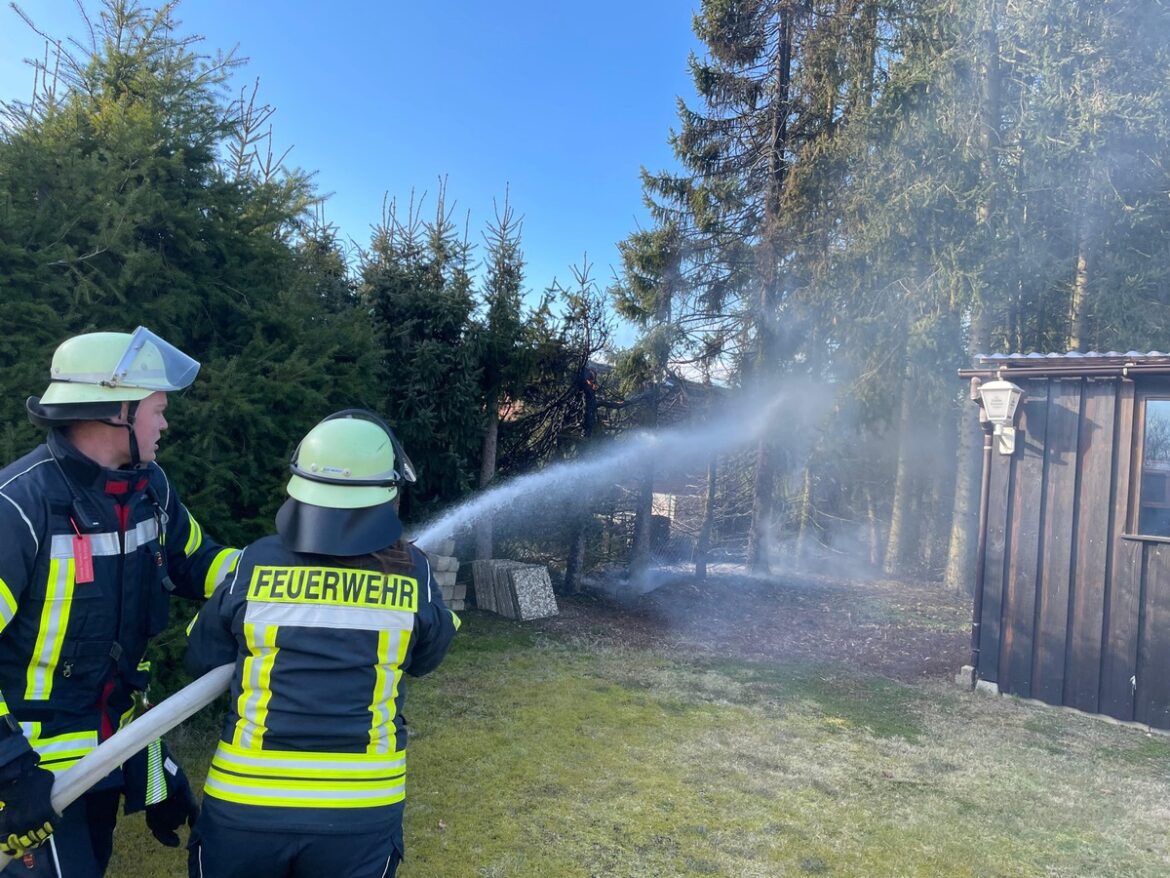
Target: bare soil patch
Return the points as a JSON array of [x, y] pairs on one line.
[[901, 630]]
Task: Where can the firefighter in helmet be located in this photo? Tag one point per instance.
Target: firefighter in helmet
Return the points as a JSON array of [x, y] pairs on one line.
[[95, 542], [321, 620]]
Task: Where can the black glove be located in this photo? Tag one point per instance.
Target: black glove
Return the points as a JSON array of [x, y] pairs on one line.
[[169, 814], [154, 781], [26, 814]]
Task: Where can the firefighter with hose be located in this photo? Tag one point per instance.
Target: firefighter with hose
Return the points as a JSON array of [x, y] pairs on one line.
[[322, 620], [95, 541]]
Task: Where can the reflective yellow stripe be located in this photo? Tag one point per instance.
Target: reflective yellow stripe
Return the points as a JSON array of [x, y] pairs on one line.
[[333, 587], [286, 778], [383, 673], [455, 618], [255, 690], [297, 794], [310, 615], [108, 543], [194, 536], [386, 678], [223, 564], [156, 783], [7, 611], [51, 634], [312, 765], [59, 751], [7, 605]]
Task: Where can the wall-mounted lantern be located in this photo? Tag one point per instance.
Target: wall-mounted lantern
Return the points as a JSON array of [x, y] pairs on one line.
[[1000, 400]]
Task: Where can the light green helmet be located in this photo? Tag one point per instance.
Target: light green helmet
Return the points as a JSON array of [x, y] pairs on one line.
[[93, 374], [346, 473]]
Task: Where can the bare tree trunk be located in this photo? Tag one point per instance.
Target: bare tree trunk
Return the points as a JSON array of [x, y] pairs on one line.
[[772, 253], [901, 516], [760, 535], [575, 561], [960, 571], [803, 550], [862, 90], [487, 472], [875, 530], [960, 568], [704, 544], [934, 496], [939, 493], [640, 556], [761, 527], [1082, 278]]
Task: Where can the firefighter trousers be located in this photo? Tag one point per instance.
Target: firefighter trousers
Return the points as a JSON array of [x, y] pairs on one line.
[[220, 851]]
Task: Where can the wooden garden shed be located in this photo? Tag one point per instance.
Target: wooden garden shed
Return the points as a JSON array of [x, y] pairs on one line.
[[1072, 603]]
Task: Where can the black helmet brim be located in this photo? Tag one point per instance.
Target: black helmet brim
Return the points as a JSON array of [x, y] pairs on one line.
[[58, 415], [321, 530]]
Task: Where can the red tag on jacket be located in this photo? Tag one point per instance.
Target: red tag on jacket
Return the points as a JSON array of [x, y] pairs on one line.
[[82, 559]]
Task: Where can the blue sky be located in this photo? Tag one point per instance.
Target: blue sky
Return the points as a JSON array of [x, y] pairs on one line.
[[560, 103]]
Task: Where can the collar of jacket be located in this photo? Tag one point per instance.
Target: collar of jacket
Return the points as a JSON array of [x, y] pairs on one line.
[[86, 472]]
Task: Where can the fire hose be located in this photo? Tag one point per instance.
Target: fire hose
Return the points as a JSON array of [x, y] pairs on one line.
[[112, 752]]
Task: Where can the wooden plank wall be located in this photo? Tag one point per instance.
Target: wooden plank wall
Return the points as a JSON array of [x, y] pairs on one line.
[[1058, 531], [1123, 584], [1152, 690], [1023, 561], [992, 633], [1073, 612], [1092, 553]]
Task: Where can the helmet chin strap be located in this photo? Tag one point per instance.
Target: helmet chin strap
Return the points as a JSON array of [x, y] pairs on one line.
[[131, 411]]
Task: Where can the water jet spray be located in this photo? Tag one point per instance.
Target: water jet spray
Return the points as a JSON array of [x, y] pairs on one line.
[[562, 482]]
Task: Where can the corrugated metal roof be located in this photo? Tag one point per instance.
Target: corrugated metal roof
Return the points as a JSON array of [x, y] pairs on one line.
[[1077, 355], [1071, 358]]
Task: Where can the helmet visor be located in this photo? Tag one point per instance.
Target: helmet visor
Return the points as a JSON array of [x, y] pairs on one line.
[[406, 474], [151, 363]]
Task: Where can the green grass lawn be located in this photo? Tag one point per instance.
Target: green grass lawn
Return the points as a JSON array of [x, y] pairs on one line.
[[562, 757]]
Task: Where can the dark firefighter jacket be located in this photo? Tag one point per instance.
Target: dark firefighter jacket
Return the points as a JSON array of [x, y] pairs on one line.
[[89, 557], [314, 739]]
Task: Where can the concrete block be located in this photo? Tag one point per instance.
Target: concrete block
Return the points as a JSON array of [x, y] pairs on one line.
[[532, 592], [965, 677], [513, 589], [481, 576], [444, 577], [488, 594], [987, 687], [443, 563], [502, 583]]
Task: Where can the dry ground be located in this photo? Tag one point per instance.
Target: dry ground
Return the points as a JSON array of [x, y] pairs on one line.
[[903, 631]]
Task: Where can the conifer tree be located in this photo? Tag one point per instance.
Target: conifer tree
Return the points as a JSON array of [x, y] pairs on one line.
[[416, 285], [778, 81], [505, 359], [120, 210]]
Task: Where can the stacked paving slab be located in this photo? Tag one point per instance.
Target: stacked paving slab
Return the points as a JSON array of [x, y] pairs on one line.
[[512, 589], [444, 570]]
